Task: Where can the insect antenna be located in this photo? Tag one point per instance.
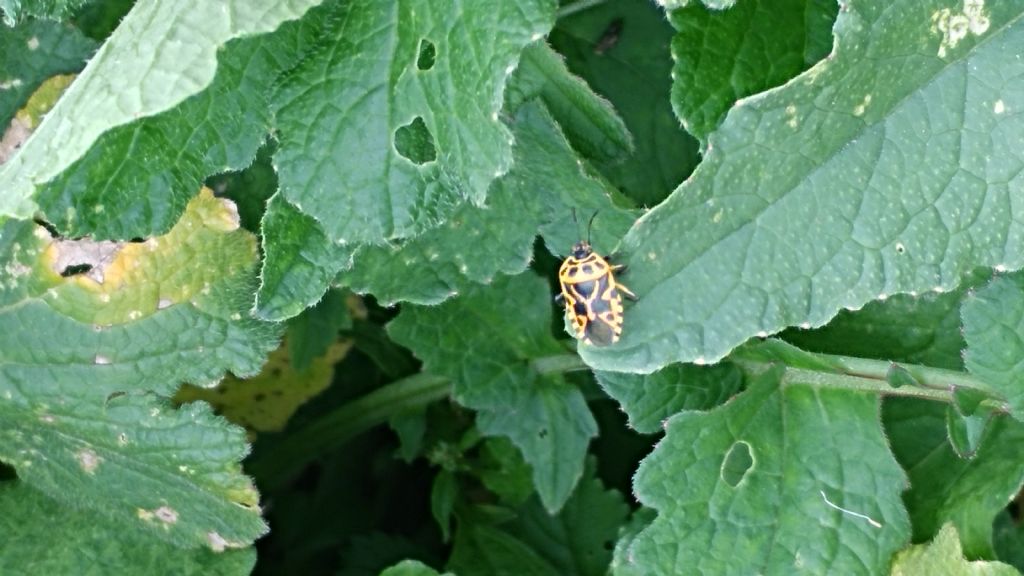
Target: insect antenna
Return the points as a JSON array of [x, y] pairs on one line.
[[590, 225]]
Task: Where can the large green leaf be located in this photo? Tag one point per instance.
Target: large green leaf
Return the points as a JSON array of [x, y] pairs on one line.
[[722, 56], [944, 556], [621, 49], [590, 122], [547, 181], [395, 123], [946, 488], [32, 52], [128, 80], [485, 340], [785, 475], [994, 331], [42, 536], [87, 359], [137, 178], [861, 178]]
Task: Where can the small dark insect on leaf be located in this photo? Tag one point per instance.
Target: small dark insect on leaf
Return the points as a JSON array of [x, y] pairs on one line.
[[609, 38]]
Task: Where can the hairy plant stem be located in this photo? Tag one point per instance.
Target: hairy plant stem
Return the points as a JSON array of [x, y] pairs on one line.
[[870, 375], [419, 390]]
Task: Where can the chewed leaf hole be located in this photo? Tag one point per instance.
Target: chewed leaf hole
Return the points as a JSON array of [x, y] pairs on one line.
[[75, 269], [736, 464], [415, 142], [427, 53]]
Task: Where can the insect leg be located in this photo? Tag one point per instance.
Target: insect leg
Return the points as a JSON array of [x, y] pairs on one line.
[[626, 292], [559, 298]]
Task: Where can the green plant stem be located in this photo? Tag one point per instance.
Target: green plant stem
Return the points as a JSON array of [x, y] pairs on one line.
[[336, 428], [578, 6], [872, 376]]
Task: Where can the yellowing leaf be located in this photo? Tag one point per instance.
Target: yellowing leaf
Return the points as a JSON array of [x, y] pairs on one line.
[[265, 402], [128, 281]]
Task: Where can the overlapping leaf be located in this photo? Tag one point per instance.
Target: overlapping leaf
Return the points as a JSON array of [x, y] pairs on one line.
[[32, 52], [136, 179], [863, 177], [944, 556], [621, 49], [946, 488], [784, 475], [649, 400], [574, 542], [86, 358], [128, 80], [722, 56], [389, 129], [485, 341], [994, 331]]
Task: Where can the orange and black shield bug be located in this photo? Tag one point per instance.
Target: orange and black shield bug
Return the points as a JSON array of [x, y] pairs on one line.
[[591, 294]]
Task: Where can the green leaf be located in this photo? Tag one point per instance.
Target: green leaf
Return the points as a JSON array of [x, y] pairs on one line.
[[32, 52], [16, 11], [575, 542], [342, 113], [128, 80], [722, 56], [483, 550], [87, 357], [943, 556], [311, 333], [994, 332], [622, 560], [1008, 540], [814, 457], [410, 427], [946, 488], [621, 49], [837, 211], [442, 501], [484, 341], [589, 121], [546, 182], [299, 261], [965, 432], [923, 329], [579, 539], [42, 536], [504, 471], [137, 178], [649, 400], [412, 568]]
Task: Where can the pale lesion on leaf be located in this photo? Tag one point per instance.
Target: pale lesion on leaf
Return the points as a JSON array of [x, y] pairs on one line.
[[107, 283]]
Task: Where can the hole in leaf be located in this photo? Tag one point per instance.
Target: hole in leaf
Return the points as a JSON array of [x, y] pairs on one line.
[[415, 142], [427, 52], [736, 464], [75, 270], [48, 227]]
